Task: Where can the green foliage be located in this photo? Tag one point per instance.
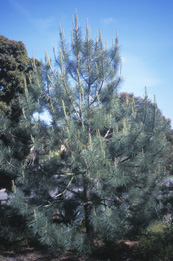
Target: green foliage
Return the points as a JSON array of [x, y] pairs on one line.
[[169, 162], [12, 227], [96, 168], [16, 75], [14, 65], [166, 200], [157, 243], [16, 70]]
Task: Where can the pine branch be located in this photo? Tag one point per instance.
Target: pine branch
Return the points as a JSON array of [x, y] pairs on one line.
[[60, 194]]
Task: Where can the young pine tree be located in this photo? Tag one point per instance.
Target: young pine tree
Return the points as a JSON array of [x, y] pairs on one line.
[[95, 169]]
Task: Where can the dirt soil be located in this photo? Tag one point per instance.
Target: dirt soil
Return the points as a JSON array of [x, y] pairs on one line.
[[121, 251]]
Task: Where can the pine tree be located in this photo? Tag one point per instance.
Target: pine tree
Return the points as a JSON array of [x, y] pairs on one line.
[[95, 169], [14, 65], [166, 187], [16, 70]]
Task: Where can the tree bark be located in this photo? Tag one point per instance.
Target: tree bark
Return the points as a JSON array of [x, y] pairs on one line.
[[88, 210]]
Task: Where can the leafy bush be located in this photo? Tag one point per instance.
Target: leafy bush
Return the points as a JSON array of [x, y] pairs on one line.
[[158, 242]]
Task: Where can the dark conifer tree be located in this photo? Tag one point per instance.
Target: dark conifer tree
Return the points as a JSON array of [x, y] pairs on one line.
[[95, 170]]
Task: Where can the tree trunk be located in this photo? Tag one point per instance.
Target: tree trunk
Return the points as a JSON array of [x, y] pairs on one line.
[[88, 210]]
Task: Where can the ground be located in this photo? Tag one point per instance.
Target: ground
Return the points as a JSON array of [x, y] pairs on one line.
[[156, 244], [123, 250]]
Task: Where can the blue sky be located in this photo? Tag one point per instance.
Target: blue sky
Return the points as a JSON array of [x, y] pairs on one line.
[[145, 31]]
